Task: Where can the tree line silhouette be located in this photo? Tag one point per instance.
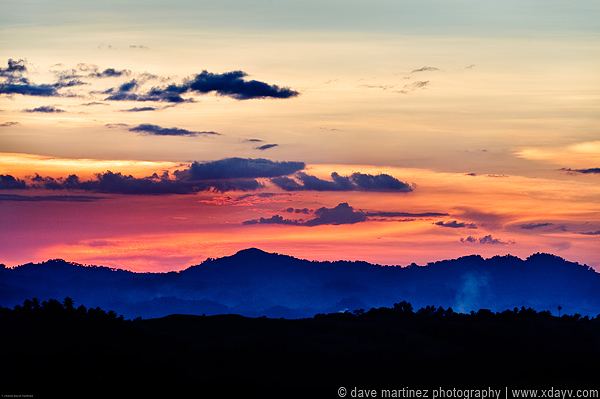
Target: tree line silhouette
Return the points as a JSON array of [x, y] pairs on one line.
[[52, 348]]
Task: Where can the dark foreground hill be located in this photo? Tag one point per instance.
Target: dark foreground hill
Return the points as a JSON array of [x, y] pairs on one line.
[[255, 283], [56, 350]]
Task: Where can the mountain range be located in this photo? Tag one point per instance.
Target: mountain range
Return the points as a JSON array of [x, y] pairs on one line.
[[256, 283]]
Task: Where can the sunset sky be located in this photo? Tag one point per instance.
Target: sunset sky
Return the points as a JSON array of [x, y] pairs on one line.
[[196, 129]]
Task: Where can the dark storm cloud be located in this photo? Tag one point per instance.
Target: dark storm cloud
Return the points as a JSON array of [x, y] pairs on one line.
[[8, 182], [425, 69], [532, 226], [354, 182], [156, 130], [254, 140], [231, 168], [454, 224], [587, 171], [47, 109], [340, 214], [266, 146]]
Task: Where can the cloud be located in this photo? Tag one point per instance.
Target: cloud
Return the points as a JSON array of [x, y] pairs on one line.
[[260, 195], [485, 219], [94, 103], [485, 240], [340, 214], [254, 140], [579, 157], [304, 211], [231, 174], [231, 168], [83, 70], [587, 171], [410, 87], [48, 109], [405, 214], [221, 175], [29, 89], [138, 46], [266, 146], [118, 183], [233, 85], [532, 226], [354, 182], [343, 213], [8, 182], [126, 92], [8, 124], [14, 69], [230, 84], [141, 109], [591, 233], [110, 73], [156, 130], [425, 69], [454, 224], [16, 82], [69, 83], [116, 125], [276, 219], [43, 198]]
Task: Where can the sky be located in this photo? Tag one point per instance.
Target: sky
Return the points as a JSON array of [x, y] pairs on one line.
[[152, 135]]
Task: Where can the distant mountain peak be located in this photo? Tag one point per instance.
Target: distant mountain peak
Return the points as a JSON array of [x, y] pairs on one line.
[[253, 251], [58, 262]]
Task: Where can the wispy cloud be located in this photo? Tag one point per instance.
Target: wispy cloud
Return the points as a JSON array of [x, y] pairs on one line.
[[266, 146], [454, 224], [425, 69], [47, 109], [156, 130]]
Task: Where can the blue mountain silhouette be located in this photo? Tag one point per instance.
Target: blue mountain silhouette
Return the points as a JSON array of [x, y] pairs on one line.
[[254, 283]]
